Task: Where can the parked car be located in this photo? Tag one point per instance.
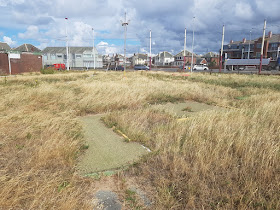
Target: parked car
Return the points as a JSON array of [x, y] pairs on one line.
[[59, 66], [116, 68], [200, 67], [187, 67], [141, 67]]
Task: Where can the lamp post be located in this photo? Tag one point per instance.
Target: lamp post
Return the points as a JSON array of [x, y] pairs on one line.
[[192, 45], [249, 45], [125, 24]]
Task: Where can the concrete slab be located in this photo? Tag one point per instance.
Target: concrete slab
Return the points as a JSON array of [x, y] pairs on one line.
[[108, 200], [107, 150]]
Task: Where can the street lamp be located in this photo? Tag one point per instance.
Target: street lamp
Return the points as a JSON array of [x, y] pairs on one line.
[[192, 45]]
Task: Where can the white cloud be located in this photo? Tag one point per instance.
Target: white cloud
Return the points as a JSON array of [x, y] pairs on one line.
[[243, 11], [9, 41], [105, 48], [4, 3], [32, 32], [43, 21]]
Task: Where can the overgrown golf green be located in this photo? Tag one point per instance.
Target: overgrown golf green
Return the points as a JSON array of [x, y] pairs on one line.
[[222, 158]]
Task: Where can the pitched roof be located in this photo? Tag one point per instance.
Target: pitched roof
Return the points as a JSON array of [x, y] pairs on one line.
[[4, 46], [140, 55], [187, 53], [210, 55], [27, 48], [75, 50], [275, 38], [199, 60], [165, 54]]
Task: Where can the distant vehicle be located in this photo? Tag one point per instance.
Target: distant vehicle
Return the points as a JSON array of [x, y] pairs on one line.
[[200, 67], [187, 67], [116, 68], [59, 66], [141, 67]]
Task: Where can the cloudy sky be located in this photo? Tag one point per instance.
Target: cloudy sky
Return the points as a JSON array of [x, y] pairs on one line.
[[42, 23]]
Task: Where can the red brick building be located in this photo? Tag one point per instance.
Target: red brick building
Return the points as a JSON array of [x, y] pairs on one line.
[[19, 63]]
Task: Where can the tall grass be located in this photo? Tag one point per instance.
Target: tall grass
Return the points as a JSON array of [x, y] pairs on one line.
[[218, 160]]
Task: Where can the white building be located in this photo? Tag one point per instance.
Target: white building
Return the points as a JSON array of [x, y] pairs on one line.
[[164, 59], [79, 57]]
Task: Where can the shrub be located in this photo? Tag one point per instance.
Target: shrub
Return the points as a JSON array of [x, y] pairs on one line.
[[47, 71]]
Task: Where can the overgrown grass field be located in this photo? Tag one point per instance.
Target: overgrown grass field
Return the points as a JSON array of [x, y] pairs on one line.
[[213, 160]]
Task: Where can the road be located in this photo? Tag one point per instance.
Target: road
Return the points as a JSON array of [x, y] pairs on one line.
[[272, 72]]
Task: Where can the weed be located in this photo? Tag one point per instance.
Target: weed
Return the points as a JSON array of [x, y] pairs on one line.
[[47, 71], [84, 147], [187, 109]]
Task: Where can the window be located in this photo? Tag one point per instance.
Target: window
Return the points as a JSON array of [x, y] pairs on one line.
[[78, 56], [45, 57], [52, 56], [59, 56], [259, 45], [274, 46], [88, 55], [258, 55]]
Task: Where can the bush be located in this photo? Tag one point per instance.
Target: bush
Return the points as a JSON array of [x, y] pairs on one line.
[[47, 71]]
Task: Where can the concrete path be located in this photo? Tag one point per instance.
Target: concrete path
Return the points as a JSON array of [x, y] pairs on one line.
[[107, 150]]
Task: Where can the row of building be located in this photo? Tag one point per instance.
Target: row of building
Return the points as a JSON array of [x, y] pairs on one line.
[[252, 48], [28, 58], [14, 61]]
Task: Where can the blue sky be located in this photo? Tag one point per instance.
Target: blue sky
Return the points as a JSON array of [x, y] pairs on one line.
[[42, 23]]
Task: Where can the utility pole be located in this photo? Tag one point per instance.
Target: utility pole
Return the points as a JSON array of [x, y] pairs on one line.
[[67, 51], [249, 45], [150, 50], [192, 45], [125, 24], [264, 26], [185, 49], [93, 51], [222, 49]]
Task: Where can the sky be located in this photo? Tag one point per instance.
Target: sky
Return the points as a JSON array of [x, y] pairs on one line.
[[42, 23]]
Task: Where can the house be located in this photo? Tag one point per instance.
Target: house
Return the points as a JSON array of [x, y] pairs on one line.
[[139, 59], [164, 59], [271, 46], [27, 48], [241, 49], [79, 57], [179, 58], [108, 60], [119, 59], [200, 61], [4, 47], [212, 59]]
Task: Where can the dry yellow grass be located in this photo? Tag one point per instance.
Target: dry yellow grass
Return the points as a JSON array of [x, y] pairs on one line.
[[214, 160]]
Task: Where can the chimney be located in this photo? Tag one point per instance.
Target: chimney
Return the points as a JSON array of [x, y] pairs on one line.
[[231, 41], [244, 40], [269, 34]]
